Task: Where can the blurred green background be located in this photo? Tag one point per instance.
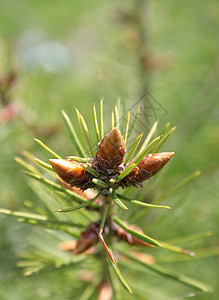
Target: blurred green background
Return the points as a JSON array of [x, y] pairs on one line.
[[72, 53]]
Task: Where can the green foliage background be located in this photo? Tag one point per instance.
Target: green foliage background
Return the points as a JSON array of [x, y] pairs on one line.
[[102, 60]]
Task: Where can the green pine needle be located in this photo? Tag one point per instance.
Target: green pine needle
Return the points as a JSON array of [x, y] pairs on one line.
[[163, 140], [134, 121], [50, 151], [149, 136], [140, 203], [88, 168], [85, 204], [116, 117], [126, 127], [100, 183], [120, 277], [164, 129], [177, 249], [141, 213], [112, 119], [118, 105], [171, 275], [146, 150], [143, 237], [79, 159], [96, 124], [104, 216], [86, 134], [26, 165], [58, 187], [73, 134], [178, 186], [43, 164], [138, 158], [101, 120], [36, 219], [117, 201], [191, 237], [126, 172], [133, 148]]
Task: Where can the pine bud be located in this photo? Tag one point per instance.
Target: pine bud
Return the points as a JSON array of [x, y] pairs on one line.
[[111, 149], [149, 166], [88, 238], [70, 171]]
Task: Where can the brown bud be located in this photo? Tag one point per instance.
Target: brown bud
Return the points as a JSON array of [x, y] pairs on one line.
[[70, 171], [112, 148], [149, 166], [130, 239], [88, 238], [105, 291]]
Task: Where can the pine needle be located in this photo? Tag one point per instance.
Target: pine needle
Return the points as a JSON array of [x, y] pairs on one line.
[[58, 187], [79, 159], [135, 120], [118, 202], [100, 183], [164, 129], [163, 140], [121, 278], [178, 186], [36, 219], [177, 249], [88, 168], [85, 204], [112, 119], [50, 151], [138, 235], [73, 134], [116, 117], [101, 119], [149, 136], [133, 148], [104, 216], [96, 124], [138, 158], [171, 275], [126, 127], [140, 203], [43, 164], [141, 213], [26, 165], [86, 134]]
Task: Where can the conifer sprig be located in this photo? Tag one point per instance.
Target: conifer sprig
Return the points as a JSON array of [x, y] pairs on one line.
[[88, 182]]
